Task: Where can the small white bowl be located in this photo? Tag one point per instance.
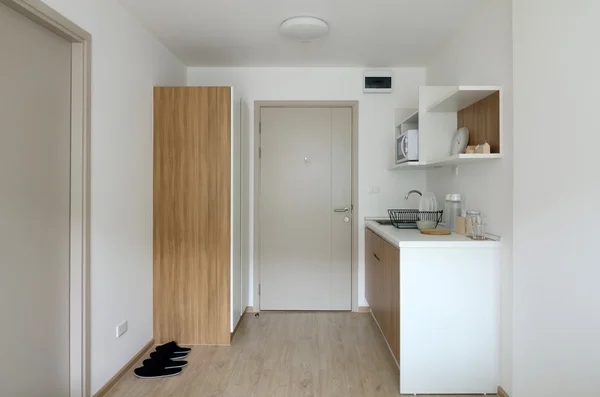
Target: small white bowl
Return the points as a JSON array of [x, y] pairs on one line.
[[422, 225]]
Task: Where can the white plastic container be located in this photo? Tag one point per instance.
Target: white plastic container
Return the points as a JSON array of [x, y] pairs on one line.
[[453, 208]]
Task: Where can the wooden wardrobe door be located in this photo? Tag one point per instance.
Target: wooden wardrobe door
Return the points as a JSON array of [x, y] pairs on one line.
[[192, 193]]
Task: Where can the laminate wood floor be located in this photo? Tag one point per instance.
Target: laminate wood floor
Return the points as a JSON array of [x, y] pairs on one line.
[[284, 354]]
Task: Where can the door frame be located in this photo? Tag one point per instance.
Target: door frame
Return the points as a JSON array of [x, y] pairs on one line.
[[79, 261], [258, 106]]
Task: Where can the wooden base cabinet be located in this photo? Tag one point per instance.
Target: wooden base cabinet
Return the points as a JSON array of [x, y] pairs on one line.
[[382, 278], [197, 226], [437, 303]]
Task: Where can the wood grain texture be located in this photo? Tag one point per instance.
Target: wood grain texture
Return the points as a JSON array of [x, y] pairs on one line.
[[436, 232], [126, 368], [369, 271], [392, 263], [192, 193], [378, 281], [501, 392], [317, 354], [382, 281], [483, 121]]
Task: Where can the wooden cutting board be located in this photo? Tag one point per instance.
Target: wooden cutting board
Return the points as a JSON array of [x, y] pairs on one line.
[[436, 232]]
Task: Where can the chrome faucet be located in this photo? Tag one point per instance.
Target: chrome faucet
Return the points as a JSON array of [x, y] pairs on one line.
[[411, 192]]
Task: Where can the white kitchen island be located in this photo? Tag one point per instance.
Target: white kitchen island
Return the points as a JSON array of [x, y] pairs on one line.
[[449, 310]]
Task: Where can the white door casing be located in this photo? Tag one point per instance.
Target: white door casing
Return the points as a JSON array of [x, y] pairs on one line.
[[46, 20], [306, 174], [35, 131]]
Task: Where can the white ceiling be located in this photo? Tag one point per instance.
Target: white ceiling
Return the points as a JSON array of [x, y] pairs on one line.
[[245, 32]]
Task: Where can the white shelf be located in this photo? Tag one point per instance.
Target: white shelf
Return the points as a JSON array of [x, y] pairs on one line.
[[449, 161], [460, 159], [409, 165], [412, 118], [462, 97]]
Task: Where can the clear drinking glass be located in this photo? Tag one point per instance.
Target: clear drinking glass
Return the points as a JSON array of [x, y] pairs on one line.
[[477, 225], [428, 202]]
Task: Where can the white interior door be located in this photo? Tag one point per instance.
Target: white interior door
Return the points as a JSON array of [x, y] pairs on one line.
[[35, 138], [306, 175]]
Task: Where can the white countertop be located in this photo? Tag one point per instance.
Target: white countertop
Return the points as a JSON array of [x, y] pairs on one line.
[[412, 238]]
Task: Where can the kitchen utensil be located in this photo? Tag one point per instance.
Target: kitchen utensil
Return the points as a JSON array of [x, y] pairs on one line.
[[424, 225], [403, 218], [463, 226], [453, 209], [436, 232], [428, 202], [460, 141], [477, 224]]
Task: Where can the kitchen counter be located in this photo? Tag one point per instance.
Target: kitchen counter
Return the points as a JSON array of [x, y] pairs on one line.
[[437, 301], [412, 238]]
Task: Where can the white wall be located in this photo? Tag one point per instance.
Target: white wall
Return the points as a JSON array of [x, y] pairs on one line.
[[556, 273], [376, 127], [481, 54], [126, 63]]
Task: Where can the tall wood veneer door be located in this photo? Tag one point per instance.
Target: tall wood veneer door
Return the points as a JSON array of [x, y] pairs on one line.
[[192, 193]]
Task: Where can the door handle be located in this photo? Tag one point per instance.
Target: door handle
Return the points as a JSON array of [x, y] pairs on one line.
[[342, 210], [376, 257]]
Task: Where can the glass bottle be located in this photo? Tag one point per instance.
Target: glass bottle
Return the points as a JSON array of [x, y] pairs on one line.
[[476, 219]]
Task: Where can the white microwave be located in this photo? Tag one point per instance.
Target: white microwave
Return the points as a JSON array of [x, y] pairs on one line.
[[407, 147]]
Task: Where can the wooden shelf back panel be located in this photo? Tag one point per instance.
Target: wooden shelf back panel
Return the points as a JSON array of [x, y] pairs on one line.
[[192, 189], [483, 121]]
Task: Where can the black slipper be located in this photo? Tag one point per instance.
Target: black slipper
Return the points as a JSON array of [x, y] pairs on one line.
[[173, 348], [154, 372], [164, 363], [168, 356]]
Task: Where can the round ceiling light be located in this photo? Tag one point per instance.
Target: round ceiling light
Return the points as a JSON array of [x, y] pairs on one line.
[[304, 29]]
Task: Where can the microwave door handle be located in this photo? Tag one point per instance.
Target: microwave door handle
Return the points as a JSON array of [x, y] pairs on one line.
[[402, 144]]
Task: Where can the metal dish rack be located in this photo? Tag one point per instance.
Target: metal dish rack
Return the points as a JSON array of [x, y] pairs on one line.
[[404, 218]]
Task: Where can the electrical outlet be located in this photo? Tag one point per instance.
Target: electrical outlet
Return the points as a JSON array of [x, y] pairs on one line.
[[121, 329]]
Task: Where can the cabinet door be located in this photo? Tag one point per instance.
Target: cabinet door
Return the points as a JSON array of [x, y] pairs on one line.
[[391, 256], [369, 282], [192, 215], [385, 287], [379, 281]]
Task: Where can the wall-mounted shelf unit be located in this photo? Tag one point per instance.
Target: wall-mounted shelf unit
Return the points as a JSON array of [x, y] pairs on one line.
[[411, 118], [411, 165], [450, 161], [462, 97], [442, 111]]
